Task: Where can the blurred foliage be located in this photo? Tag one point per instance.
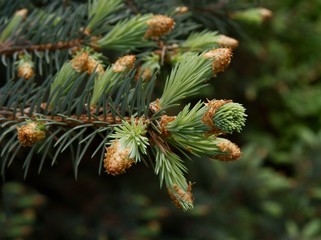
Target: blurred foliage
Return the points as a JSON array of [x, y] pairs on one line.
[[273, 192], [19, 211]]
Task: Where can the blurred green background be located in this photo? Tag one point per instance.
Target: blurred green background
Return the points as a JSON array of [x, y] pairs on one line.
[[273, 192]]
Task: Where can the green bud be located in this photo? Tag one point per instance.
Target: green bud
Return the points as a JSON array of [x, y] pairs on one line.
[[230, 117], [131, 136], [253, 16], [13, 25]]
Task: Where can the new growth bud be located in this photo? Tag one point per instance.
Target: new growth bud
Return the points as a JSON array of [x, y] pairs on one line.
[[155, 106], [181, 10], [265, 13], [80, 61], [12, 25], [117, 159], [124, 63], [25, 70], [25, 67], [183, 199], [30, 133], [221, 59], [163, 123], [224, 116], [207, 119], [145, 74], [230, 117], [253, 15], [159, 25], [227, 42], [83, 62], [151, 64], [132, 137], [22, 13], [94, 65], [230, 151]]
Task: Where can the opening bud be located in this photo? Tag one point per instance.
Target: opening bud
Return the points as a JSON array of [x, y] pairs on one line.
[[207, 119], [181, 10], [94, 65], [124, 63], [159, 25], [84, 61], [25, 70], [117, 159], [183, 199], [22, 13], [163, 124], [253, 15], [230, 151], [221, 59], [227, 42], [30, 133], [25, 67], [224, 116], [80, 62]]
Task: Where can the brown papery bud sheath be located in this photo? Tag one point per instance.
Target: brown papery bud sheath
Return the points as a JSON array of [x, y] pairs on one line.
[[228, 42], [177, 194], [159, 25], [207, 118], [230, 151], [117, 159], [79, 62], [266, 13], [94, 66], [221, 59], [25, 71], [124, 63], [29, 134]]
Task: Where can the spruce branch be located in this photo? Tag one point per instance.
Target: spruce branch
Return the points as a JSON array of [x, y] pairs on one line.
[[63, 81], [7, 118], [170, 169], [150, 66], [13, 25], [188, 132], [201, 41], [185, 80], [132, 136], [98, 11], [93, 96], [126, 35], [104, 83], [188, 121], [252, 15]]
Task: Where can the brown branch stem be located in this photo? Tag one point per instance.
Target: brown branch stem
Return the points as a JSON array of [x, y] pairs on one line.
[[8, 50], [71, 121]]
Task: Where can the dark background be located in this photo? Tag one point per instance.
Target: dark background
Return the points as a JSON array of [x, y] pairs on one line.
[[272, 192]]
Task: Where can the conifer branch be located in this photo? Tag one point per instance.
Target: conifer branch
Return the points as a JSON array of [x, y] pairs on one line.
[[71, 121], [93, 96], [9, 50], [185, 80]]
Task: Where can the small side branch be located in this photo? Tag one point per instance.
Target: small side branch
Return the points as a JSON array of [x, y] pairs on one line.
[[71, 121], [8, 50]]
